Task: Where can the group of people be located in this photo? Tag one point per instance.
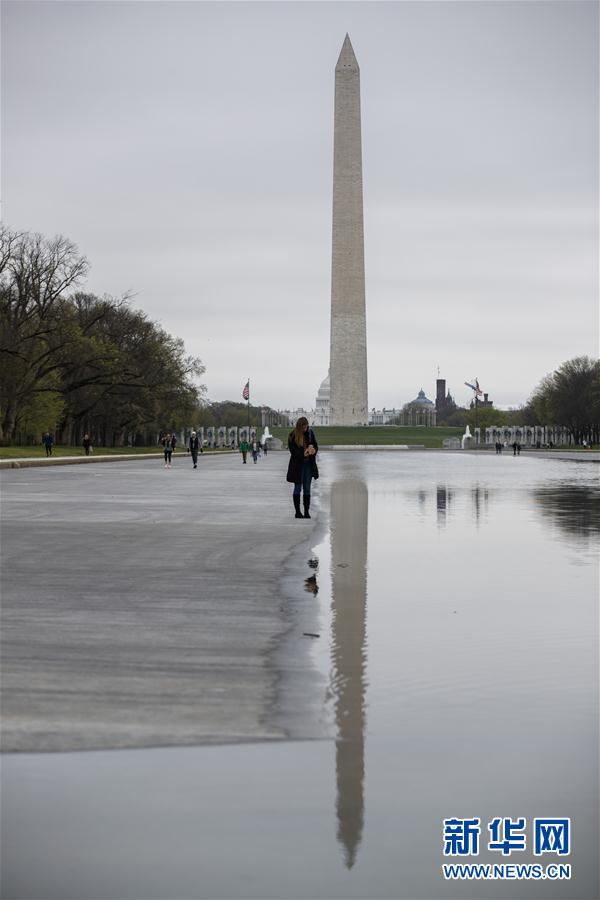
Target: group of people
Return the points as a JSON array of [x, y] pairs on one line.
[[48, 442], [302, 467], [516, 447], [169, 442], [254, 447]]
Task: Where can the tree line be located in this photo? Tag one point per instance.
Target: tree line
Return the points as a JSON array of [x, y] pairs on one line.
[[569, 396], [231, 413], [76, 362], [73, 362]]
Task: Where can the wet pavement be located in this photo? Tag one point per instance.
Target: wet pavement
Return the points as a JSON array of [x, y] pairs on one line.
[[448, 610], [141, 605]]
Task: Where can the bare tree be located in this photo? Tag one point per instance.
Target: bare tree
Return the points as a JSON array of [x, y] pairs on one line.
[[35, 274], [570, 396]]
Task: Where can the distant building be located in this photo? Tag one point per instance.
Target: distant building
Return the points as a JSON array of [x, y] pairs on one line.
[[440, 393], [383, 416], [421, 401], [484, 402], [444, 402], [420, 411], [322, 403], [289, 417]]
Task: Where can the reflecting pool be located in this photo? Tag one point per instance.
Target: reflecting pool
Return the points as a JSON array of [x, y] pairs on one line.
[[455, 599], [463, 660]]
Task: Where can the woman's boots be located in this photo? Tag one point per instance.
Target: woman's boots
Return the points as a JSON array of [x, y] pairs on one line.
[[306, 499]]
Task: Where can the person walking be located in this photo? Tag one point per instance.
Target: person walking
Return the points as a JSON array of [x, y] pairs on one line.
[[194, 447], [264, 449], [254, 451], [86, 443], [168, 448], [47, 441], [302, 467], [244, 447]]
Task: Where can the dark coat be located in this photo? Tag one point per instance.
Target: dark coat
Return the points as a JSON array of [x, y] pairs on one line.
[[195, 444], [297, 457]]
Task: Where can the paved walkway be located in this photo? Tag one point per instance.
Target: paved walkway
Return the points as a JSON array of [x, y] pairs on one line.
[[142, 606], [35, 461], [26, 462]]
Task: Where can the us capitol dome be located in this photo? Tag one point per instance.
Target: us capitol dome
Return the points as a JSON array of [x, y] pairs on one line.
[[322, 403]]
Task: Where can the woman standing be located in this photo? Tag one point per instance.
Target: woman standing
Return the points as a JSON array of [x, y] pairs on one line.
[[303, 448], [168, 448]]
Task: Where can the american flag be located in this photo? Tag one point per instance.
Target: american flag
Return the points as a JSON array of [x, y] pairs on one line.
[[246, 391], [475, 387]]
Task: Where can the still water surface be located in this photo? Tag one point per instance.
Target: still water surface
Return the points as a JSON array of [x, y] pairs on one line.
[[456, 599]]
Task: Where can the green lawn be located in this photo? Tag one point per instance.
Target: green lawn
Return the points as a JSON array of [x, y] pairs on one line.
[[38, 451], [374, 434], [429, 437]]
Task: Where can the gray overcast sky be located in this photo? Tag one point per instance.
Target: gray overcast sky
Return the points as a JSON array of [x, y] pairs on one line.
[[187, 148]]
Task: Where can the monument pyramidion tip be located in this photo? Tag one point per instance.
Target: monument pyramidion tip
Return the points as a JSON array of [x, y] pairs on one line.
[[347, 59]]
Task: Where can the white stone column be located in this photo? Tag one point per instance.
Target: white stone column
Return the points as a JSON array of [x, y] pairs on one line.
[[348, 355]]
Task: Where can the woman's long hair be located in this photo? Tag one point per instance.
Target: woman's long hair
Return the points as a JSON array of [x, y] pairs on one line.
[[299, 430]]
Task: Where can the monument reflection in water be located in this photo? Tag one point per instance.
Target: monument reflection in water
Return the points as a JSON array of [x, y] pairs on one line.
[[349, 527]]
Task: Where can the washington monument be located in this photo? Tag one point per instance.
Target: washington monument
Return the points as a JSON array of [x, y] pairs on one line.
[[348, 352]]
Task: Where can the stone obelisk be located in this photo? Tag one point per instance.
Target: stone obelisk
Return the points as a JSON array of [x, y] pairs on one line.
[[348, 354]]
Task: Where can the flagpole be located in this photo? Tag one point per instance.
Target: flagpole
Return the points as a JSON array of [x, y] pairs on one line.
[[476, 401], [248, 409]]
